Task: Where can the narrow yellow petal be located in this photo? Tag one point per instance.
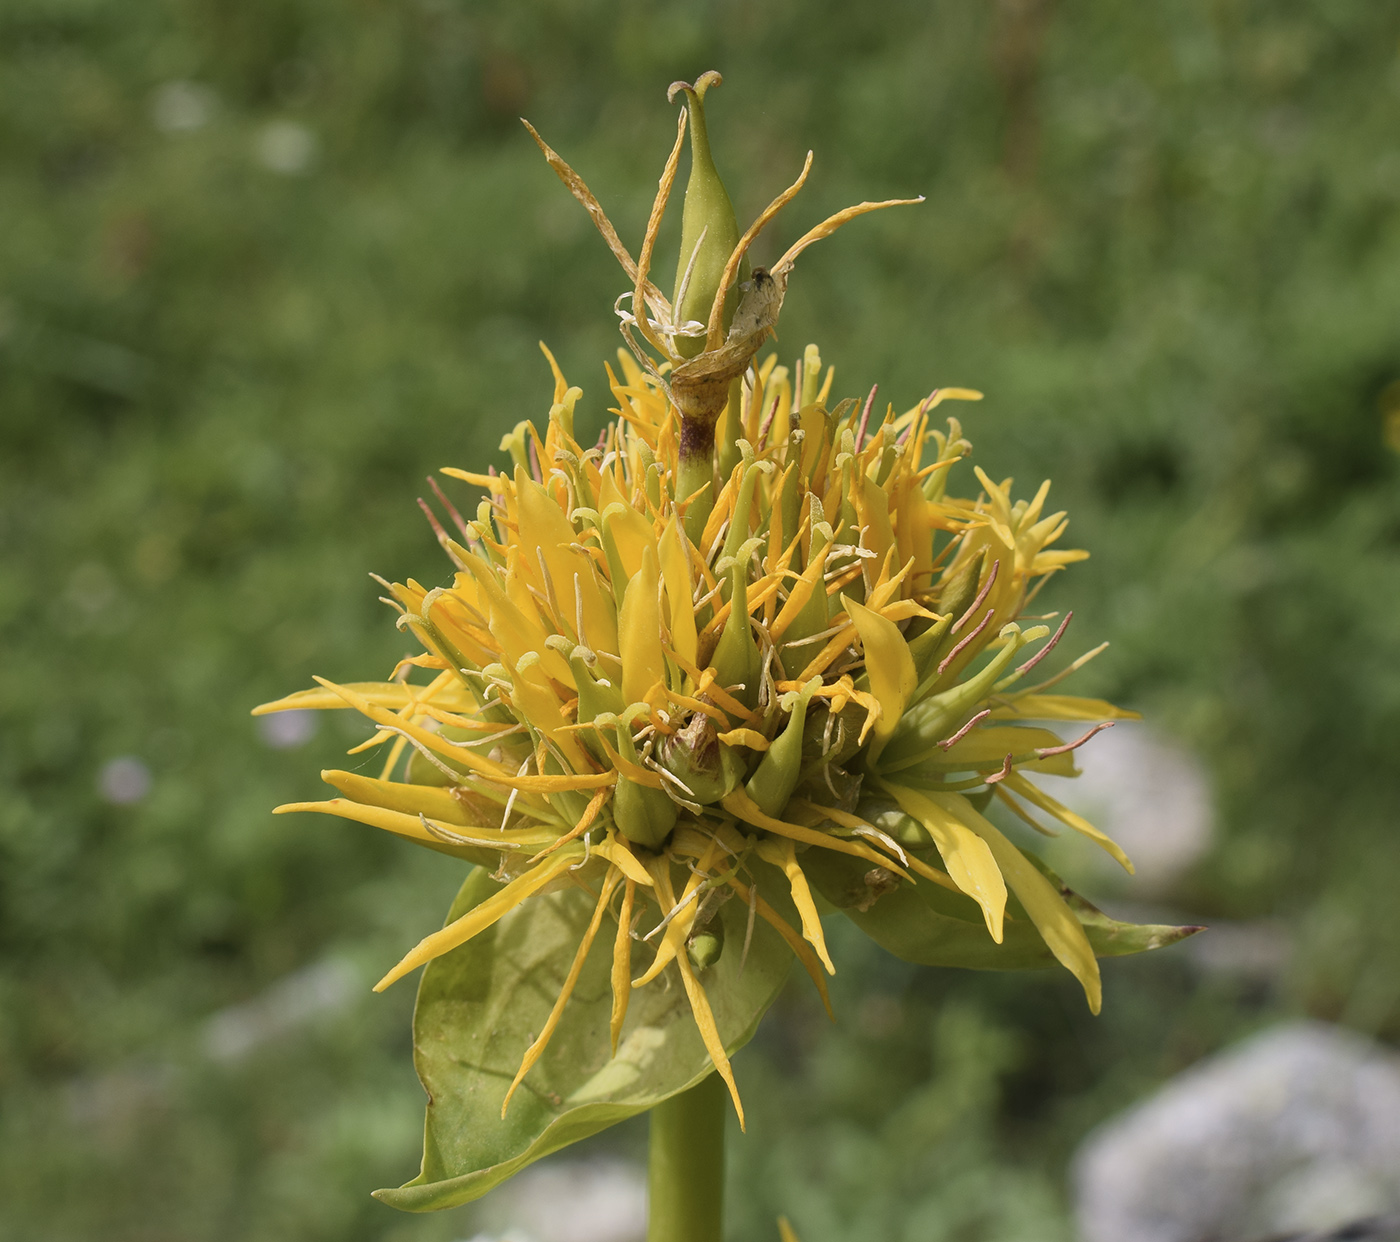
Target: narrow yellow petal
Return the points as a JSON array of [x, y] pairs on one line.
[[381, 694], [432, 800], [631, 534], [411, 826], [672, 944], [433, 741], [543, 525], [622, 964], [536, 1049], [616, 852], [1038, 797], [800, 948], [1060, 707], [783, 855], [680, 589], [709, 1032], [482, 916], [741, 806]]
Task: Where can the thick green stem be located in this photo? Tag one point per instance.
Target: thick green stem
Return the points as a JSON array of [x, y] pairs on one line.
[[685, 1174]]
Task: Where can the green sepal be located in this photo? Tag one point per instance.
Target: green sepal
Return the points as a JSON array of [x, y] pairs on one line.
[[479, 1005]]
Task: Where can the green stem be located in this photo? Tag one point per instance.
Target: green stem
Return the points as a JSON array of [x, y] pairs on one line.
[[685, 1174], [695, 475]]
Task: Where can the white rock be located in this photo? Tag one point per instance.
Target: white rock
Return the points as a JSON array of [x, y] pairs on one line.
[[1295, 1129], [570, 1201], [1149, 794]]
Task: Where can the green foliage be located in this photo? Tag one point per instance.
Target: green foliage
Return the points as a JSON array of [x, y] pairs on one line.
[[927, 924], [1162, 238], [480, 1006]]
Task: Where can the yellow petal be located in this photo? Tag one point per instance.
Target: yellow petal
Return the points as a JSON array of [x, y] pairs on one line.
[[1053, 919], [483, 916], [680, 589], [631, 533], [639, 632], [888, 662], [741, 806], [783, 855], [536, 1049], [537, 702], [411, 826], [1060, 707], [383, 694], [543, 525], [517, 631], [621, 976], [709, 1032], [967, 856]]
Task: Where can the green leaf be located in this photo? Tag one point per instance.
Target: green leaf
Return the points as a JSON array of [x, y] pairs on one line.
[[927, 924], [481, 1005]]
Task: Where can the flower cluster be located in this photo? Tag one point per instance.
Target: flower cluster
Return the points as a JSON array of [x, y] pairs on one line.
[[747, 647]]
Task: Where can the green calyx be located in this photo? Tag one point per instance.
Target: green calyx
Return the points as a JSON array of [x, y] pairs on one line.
[[709, 228]]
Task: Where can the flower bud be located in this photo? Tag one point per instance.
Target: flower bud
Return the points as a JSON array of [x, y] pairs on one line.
[[643, 815], [776, 777]]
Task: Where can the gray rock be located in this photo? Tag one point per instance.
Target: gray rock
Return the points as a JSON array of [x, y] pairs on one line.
[[1293, 1132]]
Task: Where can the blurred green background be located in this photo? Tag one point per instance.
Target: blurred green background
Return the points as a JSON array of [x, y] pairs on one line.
[[265, 265]]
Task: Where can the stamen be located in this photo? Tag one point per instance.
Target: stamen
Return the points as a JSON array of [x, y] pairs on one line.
[[1045, 650], [457, 519], [865, 415], [1003, 774], [977, 603], [953, 655], [949, 742], [1045, 752]]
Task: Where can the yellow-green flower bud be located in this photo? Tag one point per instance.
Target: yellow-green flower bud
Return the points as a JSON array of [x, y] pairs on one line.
[[709, 229], [643, 815], [772, 783], [594, 699], [736, 659]]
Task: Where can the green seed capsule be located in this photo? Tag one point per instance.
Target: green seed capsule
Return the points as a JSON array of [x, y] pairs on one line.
[[709, 229], [705, 947], [706, 766]]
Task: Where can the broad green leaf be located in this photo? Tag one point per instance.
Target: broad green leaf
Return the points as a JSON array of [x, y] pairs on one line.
[[480, 1005], [929, 925]]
